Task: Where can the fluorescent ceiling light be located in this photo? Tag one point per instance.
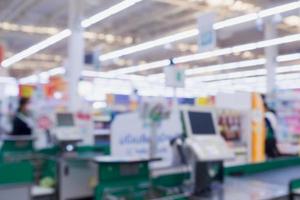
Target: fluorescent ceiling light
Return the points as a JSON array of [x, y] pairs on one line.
[[244, 74], [229, 66], [279, 9], [143, 67], [238, 48], [67, 32], [194, 32], [244, 47], [289, 57], [201, 56], [226, 66], [108, 12], [150, 44], [278, 41], [235, 21], [241, 64], [284, 81], [210, 54], [162, 41], [36, 48], [248, 73]]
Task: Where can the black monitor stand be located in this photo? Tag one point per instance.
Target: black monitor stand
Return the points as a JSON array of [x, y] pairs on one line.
[[205, 174]]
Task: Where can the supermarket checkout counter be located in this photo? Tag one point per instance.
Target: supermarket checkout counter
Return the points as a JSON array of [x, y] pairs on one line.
[[114, 178], [274, 179], [268, 180], [68, 166], [80, 173], [208, 179]]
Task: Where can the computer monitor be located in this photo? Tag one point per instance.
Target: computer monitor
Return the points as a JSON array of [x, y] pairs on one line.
[[202, 123], [65, 120], [66, 129], [203, 136]]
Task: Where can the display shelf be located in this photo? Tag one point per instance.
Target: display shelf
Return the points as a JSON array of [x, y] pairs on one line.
[[101, 126], [287, 106], [234, 126]]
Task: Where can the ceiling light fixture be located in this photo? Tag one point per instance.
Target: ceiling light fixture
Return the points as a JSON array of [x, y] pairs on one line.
[[108, 12], [209, 54], [230, 66], [36, 48], [194, 32], [67, 32], [150, 44], [143, 67]]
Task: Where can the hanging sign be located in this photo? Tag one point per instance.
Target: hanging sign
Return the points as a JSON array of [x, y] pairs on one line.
[[207, 34], [174, 76], [92, 58]]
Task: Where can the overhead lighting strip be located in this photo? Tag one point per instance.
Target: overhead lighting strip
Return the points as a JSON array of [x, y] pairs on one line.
[[248, 73], [67, 32], [241, 64], [210, 54], [159, 77], [144, 46], [194, 32], [230, 66]]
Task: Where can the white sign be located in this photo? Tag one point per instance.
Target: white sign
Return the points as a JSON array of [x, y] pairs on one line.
[[130, 137], [174, 77], [207, 35], [235, 101]]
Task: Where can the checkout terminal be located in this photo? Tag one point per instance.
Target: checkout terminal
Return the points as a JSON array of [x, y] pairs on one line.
[[207, 148], [66, 132], [203, 136]]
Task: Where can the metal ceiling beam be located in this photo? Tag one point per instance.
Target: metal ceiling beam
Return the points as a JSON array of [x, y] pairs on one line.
[[146, 20], [7, 11], [182, 4], [21, 9]]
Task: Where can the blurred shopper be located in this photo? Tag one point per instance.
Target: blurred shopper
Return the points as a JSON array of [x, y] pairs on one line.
[[271, 148], [22, 123], [271, 144]]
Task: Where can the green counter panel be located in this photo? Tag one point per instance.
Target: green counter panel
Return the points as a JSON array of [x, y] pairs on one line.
[[248, 169], [172, 180], [17, 146], [110, 172], [16, 173]]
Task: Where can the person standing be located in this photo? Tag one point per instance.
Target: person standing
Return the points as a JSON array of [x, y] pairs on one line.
[[22, 123]]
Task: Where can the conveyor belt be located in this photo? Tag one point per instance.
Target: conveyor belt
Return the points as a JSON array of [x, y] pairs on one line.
[[239, 189], [266, 185], [278, 177]]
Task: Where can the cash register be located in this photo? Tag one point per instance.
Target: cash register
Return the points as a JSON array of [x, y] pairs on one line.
[[207, 148], [66, 132]]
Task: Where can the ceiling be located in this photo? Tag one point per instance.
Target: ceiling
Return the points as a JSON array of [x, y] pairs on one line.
[[24, 23]]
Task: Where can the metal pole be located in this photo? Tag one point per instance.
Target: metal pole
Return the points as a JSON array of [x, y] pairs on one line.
[[75, 63], [270, 32]]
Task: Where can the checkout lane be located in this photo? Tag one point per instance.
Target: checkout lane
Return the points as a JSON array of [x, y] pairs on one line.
[[265, 185]]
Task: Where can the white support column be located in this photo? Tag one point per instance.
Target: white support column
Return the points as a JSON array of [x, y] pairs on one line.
[[75, 62], [270, 32]]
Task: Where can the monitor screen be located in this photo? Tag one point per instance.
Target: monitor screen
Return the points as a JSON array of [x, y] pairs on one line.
[[65, 119], [202, 123]]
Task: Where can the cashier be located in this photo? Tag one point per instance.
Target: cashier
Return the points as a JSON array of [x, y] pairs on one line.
[[22, 123], [272, 150]]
